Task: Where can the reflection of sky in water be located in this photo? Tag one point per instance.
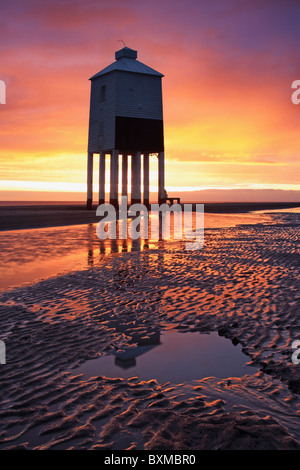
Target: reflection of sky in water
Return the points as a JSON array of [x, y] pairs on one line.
[[178, 357], [29, 255]]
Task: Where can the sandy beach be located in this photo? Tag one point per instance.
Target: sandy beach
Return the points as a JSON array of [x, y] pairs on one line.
[[69, 299]]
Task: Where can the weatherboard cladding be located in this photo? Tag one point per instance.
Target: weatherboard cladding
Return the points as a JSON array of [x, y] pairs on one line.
[[132, 90], [139, 96], [102, 115]]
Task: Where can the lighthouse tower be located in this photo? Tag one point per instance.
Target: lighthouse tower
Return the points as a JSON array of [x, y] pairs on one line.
[[126, 119]]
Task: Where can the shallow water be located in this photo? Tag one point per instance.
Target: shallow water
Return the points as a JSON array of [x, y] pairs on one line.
[[174, 357], [31, 255]]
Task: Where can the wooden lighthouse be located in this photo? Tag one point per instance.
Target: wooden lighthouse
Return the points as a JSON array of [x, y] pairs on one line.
[[126, 119]]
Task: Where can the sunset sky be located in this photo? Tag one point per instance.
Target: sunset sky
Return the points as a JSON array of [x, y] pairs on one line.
[[228, 67]]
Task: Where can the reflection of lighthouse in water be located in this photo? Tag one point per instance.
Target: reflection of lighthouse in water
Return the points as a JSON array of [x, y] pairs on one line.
[[118, 245], [127, 358]]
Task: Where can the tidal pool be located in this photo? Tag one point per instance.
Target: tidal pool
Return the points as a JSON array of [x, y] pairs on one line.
[[175, 357]]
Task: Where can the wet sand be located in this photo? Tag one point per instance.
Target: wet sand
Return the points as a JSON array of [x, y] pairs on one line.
[[16, 217], [243, 284]]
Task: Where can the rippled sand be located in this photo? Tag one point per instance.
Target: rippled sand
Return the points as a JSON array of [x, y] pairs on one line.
[[244, 284]]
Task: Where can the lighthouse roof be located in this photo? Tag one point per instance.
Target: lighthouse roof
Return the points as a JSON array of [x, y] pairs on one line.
[[126, 61]]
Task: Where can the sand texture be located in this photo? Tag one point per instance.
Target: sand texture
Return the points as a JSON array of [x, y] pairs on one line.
[[243, 284]]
